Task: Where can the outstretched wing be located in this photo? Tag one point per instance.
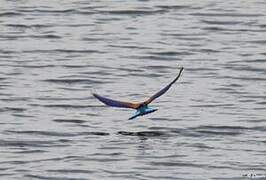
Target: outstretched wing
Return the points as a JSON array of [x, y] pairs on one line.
[[115, 103], [162, 91]]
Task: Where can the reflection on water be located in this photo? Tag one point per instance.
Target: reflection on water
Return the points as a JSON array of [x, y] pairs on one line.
[[210, 125]]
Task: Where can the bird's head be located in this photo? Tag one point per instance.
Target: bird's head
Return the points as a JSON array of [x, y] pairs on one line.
[[143, 104]]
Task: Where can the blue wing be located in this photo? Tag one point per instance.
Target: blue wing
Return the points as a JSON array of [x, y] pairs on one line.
[[162, 91], [115, 103]]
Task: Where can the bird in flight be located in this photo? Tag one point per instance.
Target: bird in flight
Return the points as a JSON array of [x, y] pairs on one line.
[[142, 107]]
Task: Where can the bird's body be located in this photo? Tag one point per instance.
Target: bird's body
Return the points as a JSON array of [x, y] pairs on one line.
[[142, 111], [142, 108]]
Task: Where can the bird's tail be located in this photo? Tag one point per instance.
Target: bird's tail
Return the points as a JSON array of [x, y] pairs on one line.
[[137, 113]]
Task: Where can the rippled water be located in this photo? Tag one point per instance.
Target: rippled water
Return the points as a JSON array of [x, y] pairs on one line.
[[211, 124]]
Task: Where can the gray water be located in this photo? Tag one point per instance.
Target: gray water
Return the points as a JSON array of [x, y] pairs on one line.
[[210, 125]]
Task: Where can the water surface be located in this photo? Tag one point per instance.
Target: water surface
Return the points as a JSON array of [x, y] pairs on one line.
[[211, 123]]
